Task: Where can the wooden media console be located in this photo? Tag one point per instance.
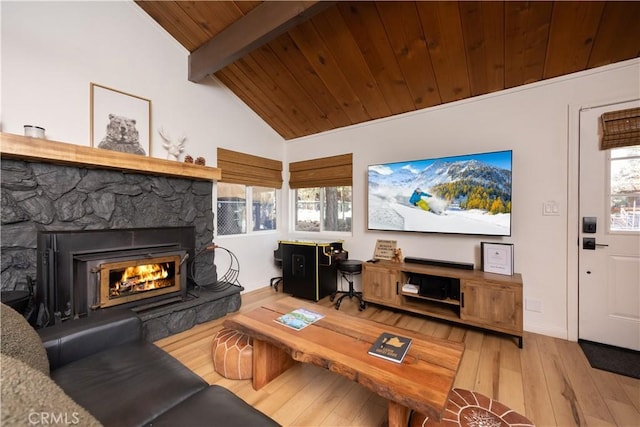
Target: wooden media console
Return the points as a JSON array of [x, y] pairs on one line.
[[486, 300]]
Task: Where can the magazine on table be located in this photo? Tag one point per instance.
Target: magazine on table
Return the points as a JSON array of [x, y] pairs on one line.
[[391, 347], [299, 318]]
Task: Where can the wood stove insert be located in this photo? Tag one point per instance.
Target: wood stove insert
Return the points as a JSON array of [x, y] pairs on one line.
[[83, 271], [133, 277]]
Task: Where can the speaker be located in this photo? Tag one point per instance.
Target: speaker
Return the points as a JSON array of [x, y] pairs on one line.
[[297, 265], [439, 263]]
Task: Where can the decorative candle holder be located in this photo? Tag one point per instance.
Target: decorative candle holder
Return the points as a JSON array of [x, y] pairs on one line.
[[33, 131]]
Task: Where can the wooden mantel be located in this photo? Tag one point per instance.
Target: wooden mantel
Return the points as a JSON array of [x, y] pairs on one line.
[[34, 149]]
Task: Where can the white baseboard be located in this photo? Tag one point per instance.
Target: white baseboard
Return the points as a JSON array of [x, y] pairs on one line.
[[548, 330]]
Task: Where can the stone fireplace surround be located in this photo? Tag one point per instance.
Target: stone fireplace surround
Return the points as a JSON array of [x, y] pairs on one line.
[[52, 197]]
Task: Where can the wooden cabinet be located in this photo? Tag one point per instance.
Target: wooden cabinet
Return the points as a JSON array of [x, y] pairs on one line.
[[472, 297], [381, 286], [498, 305]]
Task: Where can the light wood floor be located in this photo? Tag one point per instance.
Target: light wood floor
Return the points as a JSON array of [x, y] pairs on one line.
[[549, 380]]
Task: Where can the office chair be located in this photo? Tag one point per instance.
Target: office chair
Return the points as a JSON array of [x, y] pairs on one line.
[[277, 258]]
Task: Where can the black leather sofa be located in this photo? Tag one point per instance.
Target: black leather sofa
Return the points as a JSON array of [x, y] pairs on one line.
[[106, 367]]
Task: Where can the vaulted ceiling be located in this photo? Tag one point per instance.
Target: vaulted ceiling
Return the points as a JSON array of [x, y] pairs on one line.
[[342, 63]]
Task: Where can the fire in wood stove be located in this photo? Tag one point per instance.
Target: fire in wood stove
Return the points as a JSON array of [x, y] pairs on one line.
[[139, 279], [132, 280]]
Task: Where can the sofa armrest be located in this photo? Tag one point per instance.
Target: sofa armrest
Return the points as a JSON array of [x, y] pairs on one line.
[[75, 339]]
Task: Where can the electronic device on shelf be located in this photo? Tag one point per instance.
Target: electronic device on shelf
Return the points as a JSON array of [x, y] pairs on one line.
[[436, 287], [439, 263], [410, 288]]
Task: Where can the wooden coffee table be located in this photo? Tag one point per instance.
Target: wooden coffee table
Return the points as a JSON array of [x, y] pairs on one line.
[[339, 343]]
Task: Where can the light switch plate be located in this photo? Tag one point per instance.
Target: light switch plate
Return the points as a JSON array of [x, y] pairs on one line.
[[550, 208]]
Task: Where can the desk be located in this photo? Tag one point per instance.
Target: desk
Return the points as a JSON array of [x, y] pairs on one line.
[[339, 342]]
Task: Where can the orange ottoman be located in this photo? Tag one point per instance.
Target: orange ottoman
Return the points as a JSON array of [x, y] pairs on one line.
[[232, 354], [469, 409]]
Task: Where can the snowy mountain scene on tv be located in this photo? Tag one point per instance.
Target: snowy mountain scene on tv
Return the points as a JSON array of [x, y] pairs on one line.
[[468, 194]]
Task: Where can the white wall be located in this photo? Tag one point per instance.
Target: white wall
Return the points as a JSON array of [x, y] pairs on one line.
[[52, 51], [533, 122]]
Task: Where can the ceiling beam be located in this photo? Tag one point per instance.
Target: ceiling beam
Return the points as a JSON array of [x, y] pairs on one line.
[[261, 25]]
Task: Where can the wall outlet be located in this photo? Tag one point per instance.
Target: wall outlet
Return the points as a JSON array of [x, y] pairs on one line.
[[534, 305]]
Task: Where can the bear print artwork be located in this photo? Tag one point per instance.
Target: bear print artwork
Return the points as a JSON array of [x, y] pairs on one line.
[[122, 136]]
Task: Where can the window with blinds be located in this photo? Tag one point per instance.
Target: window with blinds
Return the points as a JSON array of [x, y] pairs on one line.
[[322, 194], [246, 193]]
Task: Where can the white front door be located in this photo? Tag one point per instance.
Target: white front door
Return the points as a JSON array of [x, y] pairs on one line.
[[609, 266]]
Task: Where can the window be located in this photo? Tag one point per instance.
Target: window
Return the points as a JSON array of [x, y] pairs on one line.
[[263, 202], [321, 191], [234, 214], [246, 200], [323, 209], [232, 209], [624, 193]]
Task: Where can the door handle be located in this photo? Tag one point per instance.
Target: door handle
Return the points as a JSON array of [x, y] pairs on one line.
[[589, 243]]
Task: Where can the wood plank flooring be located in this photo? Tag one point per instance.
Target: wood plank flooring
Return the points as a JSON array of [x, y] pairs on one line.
[[549, 380]]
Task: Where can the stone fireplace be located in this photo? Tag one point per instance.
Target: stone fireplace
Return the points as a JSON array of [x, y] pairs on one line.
[[43, 198]]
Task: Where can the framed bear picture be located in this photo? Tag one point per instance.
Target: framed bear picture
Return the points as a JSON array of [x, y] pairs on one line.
[[120, 121]]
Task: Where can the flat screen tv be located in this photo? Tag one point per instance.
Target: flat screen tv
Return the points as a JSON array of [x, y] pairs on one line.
[[467, 194]]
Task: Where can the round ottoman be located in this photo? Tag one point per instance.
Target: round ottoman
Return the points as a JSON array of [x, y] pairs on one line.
[[470, 409], [232, 354]]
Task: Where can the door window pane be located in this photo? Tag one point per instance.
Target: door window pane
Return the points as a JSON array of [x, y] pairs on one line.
[[633, 151], [624, 185]]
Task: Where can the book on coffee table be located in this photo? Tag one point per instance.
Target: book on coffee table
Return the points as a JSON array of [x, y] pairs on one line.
[[391, 347], [299, 318]]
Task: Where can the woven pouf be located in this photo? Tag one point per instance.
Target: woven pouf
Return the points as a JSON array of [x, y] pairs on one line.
[[469, 409], [232, 354]]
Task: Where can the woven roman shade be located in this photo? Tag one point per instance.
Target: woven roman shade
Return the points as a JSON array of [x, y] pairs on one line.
[[620, 128], [241, 168], [324, 172]]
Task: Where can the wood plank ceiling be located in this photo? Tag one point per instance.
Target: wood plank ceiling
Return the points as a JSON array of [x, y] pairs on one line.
[[364, 60]]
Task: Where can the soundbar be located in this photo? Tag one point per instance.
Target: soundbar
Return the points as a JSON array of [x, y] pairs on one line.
[[439, 263]]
